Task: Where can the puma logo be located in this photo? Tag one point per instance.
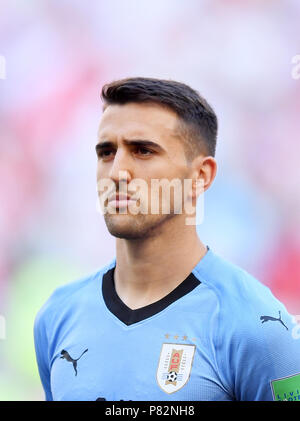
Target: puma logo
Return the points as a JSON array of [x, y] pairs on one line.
[[267, 318], [67, 356]]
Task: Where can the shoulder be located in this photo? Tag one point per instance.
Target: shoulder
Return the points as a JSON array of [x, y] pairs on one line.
[[251, 331], [66, 295], [233, 286], [241, 302]]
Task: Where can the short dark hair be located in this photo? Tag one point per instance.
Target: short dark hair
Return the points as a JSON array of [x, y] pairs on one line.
[[198, 124]]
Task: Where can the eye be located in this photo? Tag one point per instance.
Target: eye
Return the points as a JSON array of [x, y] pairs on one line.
[[144, 151], [105, 153]]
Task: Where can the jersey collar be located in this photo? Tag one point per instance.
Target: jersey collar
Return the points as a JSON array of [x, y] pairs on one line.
[[129, 316]]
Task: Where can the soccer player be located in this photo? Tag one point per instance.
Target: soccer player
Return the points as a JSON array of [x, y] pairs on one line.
[[167, 318]]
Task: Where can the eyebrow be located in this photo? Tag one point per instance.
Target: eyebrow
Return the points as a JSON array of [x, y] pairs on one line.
[[136, 142]]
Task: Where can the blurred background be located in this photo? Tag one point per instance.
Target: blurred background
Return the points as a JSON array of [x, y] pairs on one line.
[[58, 55]]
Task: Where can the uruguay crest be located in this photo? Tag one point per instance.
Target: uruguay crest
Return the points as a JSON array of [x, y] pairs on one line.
[[174, 367]]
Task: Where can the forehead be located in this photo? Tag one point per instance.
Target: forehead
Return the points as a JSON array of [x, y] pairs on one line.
[[145, 119]]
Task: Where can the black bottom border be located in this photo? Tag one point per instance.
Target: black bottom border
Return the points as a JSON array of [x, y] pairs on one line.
[[140, 409]]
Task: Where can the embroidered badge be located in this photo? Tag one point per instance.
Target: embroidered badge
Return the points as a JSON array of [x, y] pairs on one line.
[[174, 367]]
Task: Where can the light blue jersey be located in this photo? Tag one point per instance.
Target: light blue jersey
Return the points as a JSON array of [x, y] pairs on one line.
[[220, 335]]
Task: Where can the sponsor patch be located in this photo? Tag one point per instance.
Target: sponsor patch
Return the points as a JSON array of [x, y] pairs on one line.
[[174, 367], [286, 388]]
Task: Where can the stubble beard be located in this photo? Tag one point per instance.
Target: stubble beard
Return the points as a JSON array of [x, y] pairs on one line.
[[136, 227]]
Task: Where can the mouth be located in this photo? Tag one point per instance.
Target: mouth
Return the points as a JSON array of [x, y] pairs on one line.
[[120, 200]]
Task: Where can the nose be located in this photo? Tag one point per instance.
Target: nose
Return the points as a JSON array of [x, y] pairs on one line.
[[121, 170]]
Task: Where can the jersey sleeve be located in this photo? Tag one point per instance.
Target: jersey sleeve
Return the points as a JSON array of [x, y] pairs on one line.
[[41, 351], [260, 356]]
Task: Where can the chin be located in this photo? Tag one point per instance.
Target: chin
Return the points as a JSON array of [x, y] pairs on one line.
[[133, 228], [122, 226], [126, 235], [126, 232]]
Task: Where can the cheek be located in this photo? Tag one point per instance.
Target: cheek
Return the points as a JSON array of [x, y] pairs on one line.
[[101, 172], [162, 168], [98, 169]]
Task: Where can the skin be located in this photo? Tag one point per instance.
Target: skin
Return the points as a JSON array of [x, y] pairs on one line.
[[154, 253]]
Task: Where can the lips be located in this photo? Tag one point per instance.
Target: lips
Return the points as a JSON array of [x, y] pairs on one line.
[[119, 196]]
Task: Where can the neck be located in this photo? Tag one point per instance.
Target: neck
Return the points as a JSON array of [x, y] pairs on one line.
[[148, 269]]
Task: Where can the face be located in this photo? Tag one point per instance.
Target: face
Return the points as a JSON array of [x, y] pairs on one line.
[[139, 142]]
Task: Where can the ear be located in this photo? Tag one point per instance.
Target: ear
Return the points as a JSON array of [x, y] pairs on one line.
[[204, 170]]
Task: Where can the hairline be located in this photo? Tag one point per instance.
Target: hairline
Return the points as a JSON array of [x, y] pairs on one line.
[[182, 130]]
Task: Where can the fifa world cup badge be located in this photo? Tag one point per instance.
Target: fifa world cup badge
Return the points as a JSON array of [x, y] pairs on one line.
[[174, 367]]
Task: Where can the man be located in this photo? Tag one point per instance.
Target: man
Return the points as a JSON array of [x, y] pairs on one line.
[[167, 318]]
